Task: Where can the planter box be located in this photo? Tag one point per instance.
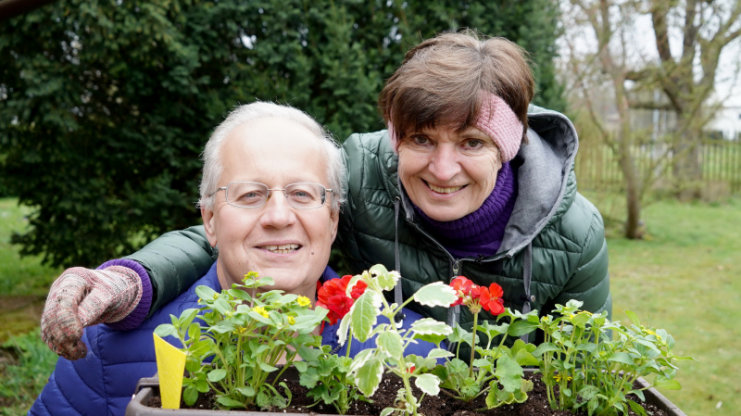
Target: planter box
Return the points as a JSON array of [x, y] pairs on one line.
[[148, 388]]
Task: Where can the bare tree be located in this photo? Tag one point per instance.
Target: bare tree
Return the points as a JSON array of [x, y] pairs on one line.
[[687, 73], [599, 64], [620, 51]]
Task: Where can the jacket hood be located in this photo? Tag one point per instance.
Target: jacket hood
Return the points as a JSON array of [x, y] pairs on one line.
[[546, 184]]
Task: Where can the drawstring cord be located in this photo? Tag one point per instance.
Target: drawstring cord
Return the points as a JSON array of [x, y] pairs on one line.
[[527, 266]]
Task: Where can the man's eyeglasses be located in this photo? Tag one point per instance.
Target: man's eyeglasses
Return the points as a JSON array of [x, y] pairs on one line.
[[300, 195]]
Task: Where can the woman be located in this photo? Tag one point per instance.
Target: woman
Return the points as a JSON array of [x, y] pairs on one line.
[[467, 180]]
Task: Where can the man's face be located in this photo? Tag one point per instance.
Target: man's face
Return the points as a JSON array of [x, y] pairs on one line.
[[290, 245]]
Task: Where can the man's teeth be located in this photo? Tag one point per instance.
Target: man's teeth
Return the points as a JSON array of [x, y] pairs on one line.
[[447, 190], [282, 249]]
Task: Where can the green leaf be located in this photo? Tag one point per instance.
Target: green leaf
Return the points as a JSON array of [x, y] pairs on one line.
[[228, 402], [205, 292], [509, 373], [368, 377], [390, 343], [216, 375], [386, 279], [428, 383], [361, 359], [246, 391], [165, 330], [344, 329], [520, 328], [436, 353], [664, 384], [363, 314], [523, 353], [545, 347], [190, 395], [622, 357], [580, 319], [431, 326], [387, 411], [267, 367], [435, 294], [637, 408]]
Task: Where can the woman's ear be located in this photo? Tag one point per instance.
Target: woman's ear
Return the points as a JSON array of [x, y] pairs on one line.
[[209, 224]]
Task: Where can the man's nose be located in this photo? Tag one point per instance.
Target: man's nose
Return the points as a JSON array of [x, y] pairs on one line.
[[277, 212]]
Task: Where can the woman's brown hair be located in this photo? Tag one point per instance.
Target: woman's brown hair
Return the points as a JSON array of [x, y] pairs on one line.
[[441, 81]]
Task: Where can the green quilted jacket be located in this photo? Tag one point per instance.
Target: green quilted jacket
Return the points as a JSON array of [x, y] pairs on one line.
[[553, 249]]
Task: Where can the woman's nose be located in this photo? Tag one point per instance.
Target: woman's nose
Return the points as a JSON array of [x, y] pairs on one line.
[[445, 163]]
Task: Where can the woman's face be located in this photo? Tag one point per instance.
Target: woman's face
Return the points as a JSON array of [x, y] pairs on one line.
[[277, 240], [448, 173]]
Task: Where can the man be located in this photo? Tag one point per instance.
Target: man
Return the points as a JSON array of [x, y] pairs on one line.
[[270, 198]]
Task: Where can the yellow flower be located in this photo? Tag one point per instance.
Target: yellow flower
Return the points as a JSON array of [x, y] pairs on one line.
[[557, 377], [291, 320], [261, 310], [652, 332], [303, 301]]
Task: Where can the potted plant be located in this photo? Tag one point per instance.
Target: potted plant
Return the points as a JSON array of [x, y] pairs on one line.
[[582, 367]]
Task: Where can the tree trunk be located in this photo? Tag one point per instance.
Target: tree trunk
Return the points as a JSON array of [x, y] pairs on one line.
[[633, 229], [688, 167]]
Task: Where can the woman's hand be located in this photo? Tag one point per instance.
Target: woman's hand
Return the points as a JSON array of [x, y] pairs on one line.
[[82, 297]]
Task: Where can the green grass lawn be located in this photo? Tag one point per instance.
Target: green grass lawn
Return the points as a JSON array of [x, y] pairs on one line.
[[24, 282], [683, 277], [20, 276], [25, 361]]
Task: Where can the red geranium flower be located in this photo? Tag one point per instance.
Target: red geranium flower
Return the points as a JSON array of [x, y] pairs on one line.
[[491, 299], [331, 296], [462, 286], [476, 297]]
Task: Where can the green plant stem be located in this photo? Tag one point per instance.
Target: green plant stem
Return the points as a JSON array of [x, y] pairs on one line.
[[408, 393], [473, 343]]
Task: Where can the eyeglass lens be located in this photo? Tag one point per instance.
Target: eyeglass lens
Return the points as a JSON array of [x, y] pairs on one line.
[[303, 195]]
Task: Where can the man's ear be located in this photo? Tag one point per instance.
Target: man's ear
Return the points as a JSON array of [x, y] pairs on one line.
[[335, 221], [209, 224]]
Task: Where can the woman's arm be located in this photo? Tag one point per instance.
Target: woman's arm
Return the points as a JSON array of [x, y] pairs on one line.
[[125, 291], [174, 261]]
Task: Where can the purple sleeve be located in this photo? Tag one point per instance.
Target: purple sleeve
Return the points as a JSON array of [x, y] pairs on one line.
[[139, 314]]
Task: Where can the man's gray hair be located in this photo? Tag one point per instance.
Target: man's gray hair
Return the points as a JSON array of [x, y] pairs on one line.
[[213, 167]]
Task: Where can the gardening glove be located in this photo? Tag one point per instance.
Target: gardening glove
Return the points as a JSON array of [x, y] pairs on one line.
[[82, 297]]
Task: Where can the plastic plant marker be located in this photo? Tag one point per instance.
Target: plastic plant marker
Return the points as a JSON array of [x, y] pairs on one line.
[[170, 370]]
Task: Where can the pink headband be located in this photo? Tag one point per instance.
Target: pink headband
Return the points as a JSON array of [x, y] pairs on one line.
[[495, 119], [498, 121]]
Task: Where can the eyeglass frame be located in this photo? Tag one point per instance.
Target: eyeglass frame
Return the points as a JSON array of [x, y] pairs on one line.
[[269, 193]]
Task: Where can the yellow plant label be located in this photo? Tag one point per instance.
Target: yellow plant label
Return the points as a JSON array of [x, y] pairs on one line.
[[170, 370]]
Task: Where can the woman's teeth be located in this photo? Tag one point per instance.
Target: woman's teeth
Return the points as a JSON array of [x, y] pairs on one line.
[[446, 190]]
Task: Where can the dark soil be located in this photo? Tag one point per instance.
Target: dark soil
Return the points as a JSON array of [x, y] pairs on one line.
[[536, 405]]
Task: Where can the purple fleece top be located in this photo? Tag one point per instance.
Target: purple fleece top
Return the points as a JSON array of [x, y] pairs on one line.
[[479, 233], [139, 314]]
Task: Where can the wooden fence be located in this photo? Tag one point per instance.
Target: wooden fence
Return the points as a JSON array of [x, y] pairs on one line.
[[597, 168]]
